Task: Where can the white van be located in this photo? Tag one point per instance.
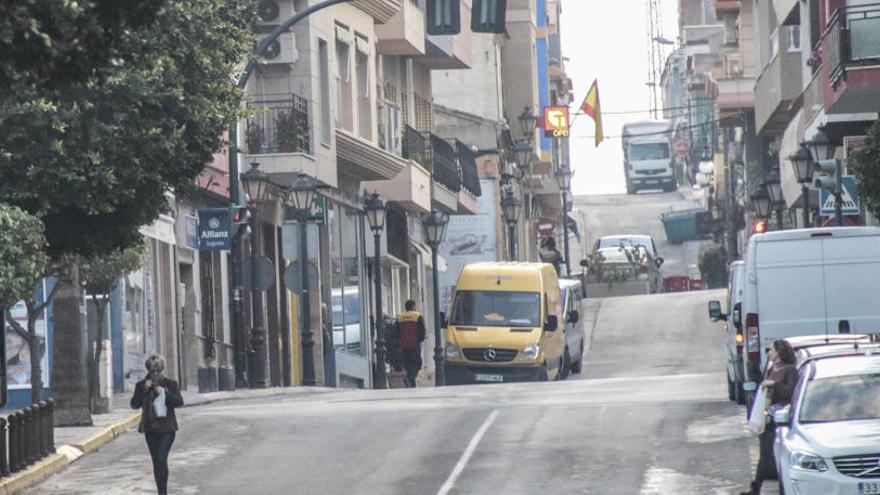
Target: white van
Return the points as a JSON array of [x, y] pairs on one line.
[[733, 343], [809, 282]]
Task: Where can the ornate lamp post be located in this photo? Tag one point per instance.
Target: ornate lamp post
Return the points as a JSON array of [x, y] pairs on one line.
[[255, 183], [803, 170], [301, 195], [821, 148], [527, 122], [563, 180], [774, 190], [375, 209], [762, 203], [510, 209], [435, 230]]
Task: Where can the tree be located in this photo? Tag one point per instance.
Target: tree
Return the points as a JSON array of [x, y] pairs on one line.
[[865, 163], [95, 156], [99, 276], [23, 264]]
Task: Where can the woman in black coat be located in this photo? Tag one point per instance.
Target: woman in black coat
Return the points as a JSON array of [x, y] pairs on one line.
[[158, 426]]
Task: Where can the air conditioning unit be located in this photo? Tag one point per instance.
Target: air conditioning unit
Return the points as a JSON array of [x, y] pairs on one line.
[[282, 50], [271, 12]]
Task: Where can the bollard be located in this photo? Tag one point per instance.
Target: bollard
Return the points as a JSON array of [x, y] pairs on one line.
[[13, 442], [44, 429], [4, 462], [20, 443], [50, 405], [28, 429]]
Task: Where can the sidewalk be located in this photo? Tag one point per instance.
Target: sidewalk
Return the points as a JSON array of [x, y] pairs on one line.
[[71, 443]]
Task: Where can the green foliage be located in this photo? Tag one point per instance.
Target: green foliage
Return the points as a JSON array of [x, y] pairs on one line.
[[865, 163], [100, 274], [22, 259], [96, 159], [713, 265]]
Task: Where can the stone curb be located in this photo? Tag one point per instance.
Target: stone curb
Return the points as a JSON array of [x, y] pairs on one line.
[[56, 463]]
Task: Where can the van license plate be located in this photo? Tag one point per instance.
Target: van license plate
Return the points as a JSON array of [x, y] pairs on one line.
[[651, 182], [869, 488], [499, 379]]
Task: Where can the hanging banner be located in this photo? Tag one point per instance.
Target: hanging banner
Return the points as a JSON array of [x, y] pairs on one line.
[[215, 229]]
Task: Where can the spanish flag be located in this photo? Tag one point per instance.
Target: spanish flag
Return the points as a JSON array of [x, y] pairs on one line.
[[591, 107]]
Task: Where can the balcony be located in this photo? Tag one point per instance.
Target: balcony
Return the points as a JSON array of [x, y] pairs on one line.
[[450, 52], [787, 11], [362, 160], [403, 34], [470, 179], [735, 90], [381, 10], [723, 7], [418, 147], [852, 56], [278, 136], [776, 88]]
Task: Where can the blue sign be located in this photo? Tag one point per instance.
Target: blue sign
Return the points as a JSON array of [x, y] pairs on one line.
[[215, 229], [849, 198]]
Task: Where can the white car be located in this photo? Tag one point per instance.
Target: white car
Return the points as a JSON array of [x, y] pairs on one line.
[[828, 440]]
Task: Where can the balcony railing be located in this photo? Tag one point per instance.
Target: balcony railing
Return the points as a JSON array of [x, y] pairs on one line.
[[467, 160], [851, 38], [416, 147], [280, 125], [444, 166]]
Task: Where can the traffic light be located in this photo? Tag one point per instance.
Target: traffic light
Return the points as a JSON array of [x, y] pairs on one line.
[[443, 17], [759, 226], [489, 16], [830, 180], [241, 218]]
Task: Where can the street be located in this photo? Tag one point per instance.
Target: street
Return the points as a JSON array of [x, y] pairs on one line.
[[649, 415]]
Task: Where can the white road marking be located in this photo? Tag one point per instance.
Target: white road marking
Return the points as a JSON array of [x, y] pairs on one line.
[[466, 456]]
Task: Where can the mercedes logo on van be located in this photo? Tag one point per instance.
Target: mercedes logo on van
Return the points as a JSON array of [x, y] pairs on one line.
[[490, 355]]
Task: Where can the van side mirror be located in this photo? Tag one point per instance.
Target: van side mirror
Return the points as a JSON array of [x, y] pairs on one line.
[[782, 417], [551, 324], [443, 321], [573, 316], [715, 313]]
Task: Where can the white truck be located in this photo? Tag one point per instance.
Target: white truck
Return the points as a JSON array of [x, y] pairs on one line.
[[647, 156]]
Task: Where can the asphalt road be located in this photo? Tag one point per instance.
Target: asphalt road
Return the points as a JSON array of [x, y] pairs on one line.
[[648, 416], [640, 214]]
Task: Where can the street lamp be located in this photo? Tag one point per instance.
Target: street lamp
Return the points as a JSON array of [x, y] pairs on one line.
[[820, 146], [435, 229], [510, 209], [375, 209], [774, 190], [527, 121], [803, 171], [563, 180], [761, 201], [255, 183], [302, 194]]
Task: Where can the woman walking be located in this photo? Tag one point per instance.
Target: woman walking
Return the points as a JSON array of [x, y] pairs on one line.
[[780, 379], [157, 397]]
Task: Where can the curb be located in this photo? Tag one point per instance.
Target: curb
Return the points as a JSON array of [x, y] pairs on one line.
[[34, 474]]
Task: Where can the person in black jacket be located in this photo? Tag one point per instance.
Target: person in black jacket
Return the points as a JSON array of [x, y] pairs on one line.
[[158, 426]]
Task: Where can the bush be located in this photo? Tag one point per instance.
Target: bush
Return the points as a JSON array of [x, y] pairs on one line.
[[713, 265]]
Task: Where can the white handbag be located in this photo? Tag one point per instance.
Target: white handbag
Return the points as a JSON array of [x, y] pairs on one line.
[[757, 418], [159, 405]]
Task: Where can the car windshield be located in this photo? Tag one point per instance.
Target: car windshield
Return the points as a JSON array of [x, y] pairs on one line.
[[613, 255], [352, 310], [496, 309], [841, 398], [649, 151]]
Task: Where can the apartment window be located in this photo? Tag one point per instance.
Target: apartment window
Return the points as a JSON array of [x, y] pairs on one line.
[[345, 112], [793, 36], [324, 75], [774, 44], [364, 87]]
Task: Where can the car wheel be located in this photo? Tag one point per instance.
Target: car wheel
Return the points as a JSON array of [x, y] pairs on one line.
[[562, 373], [578, 365], [731, 391]]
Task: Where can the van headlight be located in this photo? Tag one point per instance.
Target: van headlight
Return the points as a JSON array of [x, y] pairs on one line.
[[806, 461], [452, 351], [530, 352]]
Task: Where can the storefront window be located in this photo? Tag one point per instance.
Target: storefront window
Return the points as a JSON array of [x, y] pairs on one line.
[[347, 305]]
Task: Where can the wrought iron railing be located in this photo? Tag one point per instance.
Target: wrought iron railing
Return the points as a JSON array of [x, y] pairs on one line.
[[416, 147], [470, 177], [851, 38], [280, 125], [444, 166]]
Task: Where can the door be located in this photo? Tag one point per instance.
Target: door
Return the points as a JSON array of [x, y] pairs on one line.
[[852, 283]]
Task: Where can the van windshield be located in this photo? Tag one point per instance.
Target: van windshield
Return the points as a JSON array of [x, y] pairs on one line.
[[649, 151], [496, 309]]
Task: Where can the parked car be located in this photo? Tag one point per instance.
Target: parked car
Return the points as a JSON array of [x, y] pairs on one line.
[[626, 240], [628, 264], [827, 439], [346, 317], [572, 297], [808, 282], [734, 331]]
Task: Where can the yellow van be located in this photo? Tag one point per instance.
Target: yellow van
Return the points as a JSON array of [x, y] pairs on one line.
[[504, 324]]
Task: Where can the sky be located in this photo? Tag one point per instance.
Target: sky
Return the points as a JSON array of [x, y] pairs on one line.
[[607, 40]]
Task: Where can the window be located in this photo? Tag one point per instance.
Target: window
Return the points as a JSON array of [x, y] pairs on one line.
[[794, 38], [774, 45], [347, 306], [345, 115], [365, 114], [497, 309], [324, 75], [649, 151]]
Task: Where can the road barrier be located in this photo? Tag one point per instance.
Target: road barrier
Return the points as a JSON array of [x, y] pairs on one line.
[[27, 436]]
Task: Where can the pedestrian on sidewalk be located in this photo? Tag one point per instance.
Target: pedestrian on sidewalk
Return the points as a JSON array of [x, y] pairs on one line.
[[549, 254], [412, 334], [157, 397], [780, 380]]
